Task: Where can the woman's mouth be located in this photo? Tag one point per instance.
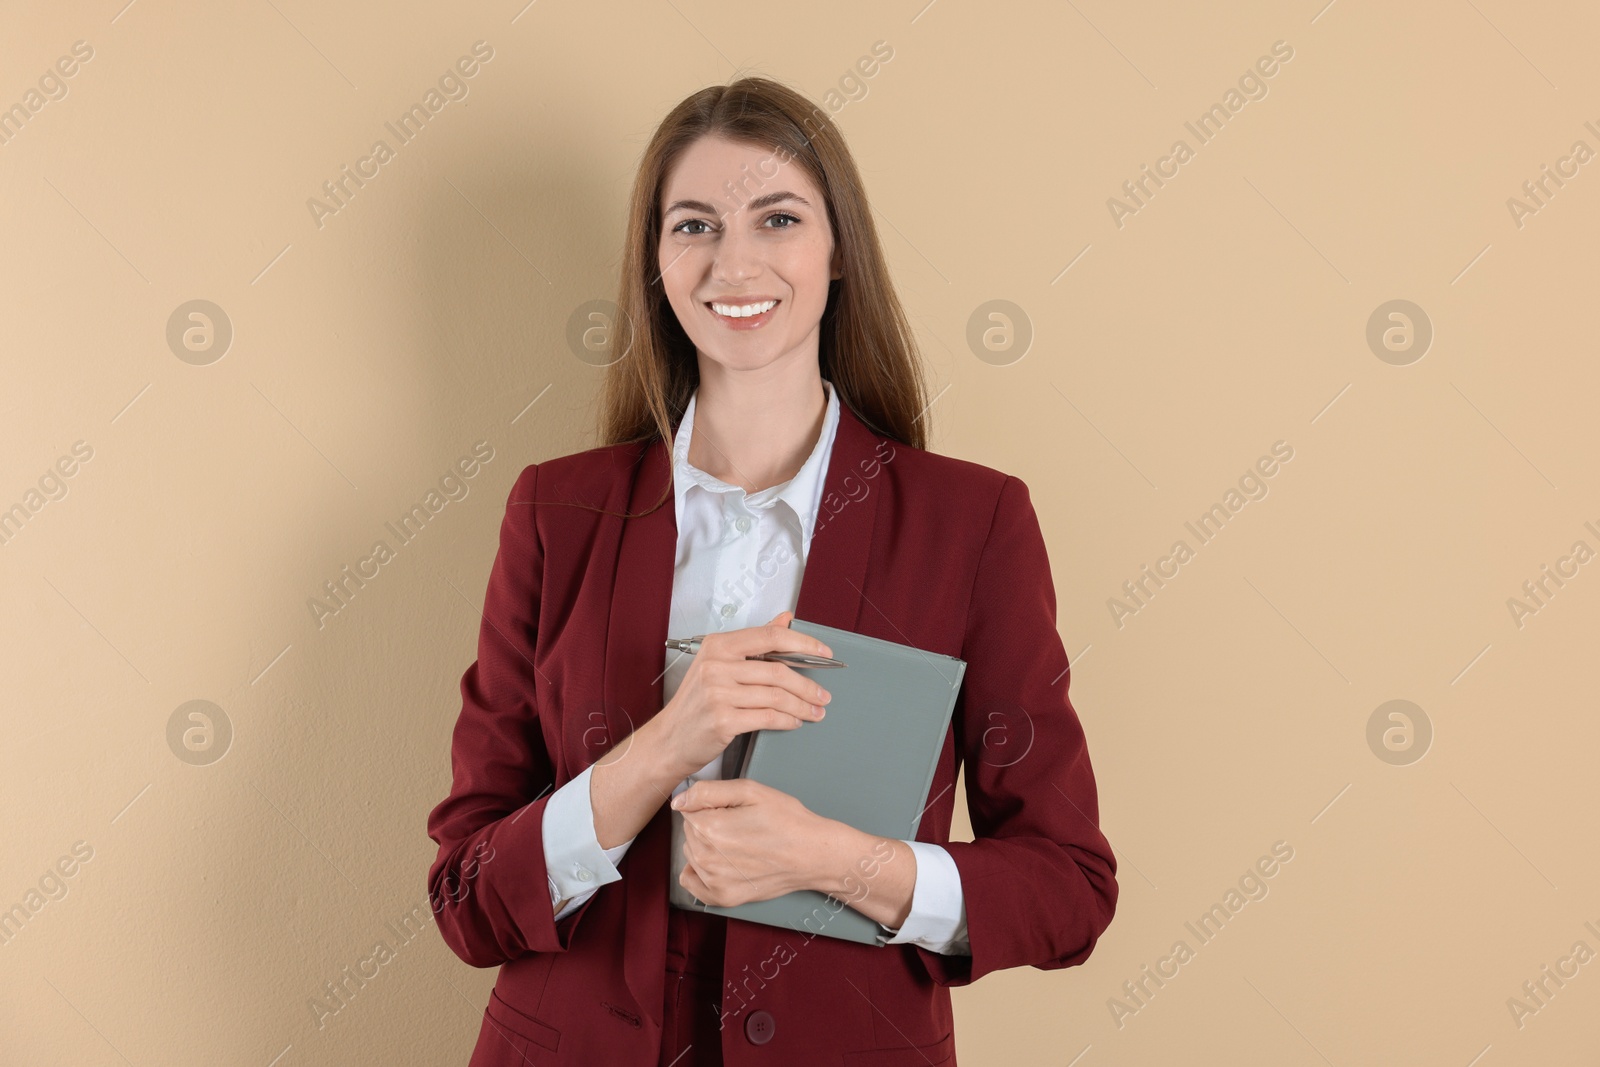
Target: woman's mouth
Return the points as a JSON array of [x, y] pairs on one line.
[[749, 316]]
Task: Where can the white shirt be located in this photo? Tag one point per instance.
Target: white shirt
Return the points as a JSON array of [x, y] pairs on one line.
[[740, 559]]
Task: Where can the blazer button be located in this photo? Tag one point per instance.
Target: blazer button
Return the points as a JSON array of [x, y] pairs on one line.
[[759, 1027]]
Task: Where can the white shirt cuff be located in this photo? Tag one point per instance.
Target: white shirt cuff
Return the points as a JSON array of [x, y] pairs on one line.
[[938, 917], [576, 864]]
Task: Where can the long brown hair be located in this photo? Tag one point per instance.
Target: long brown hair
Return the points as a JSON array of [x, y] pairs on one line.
[[866, 349]]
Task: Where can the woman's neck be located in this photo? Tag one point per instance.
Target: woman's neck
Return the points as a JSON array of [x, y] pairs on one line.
[[755, 429]]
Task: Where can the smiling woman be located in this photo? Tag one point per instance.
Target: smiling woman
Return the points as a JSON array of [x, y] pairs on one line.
[[772, 379]]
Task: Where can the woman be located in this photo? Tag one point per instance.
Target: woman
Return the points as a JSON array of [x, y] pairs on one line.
[[771, 395]]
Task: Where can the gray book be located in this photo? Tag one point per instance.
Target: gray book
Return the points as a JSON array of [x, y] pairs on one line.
[[868, 763]]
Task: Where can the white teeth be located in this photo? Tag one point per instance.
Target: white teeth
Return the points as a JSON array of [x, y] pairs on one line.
[[745, 311]]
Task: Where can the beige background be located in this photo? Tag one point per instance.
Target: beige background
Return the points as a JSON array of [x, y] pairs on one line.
[[1228, 313]]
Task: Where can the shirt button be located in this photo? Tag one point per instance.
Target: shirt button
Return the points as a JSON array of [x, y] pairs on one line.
[[728, 610], [584, 874], [743, 523]]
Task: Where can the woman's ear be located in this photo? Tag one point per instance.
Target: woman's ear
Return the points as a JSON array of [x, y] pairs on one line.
[[836, 267]]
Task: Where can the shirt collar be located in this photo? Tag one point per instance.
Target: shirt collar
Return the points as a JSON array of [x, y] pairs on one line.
[[803, 492]]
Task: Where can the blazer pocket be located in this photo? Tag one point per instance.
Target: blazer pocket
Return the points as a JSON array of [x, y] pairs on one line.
[[941, 1051], [522, 1024]]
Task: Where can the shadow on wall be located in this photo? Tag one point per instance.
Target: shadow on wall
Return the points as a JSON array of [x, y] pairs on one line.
[[342, 756]]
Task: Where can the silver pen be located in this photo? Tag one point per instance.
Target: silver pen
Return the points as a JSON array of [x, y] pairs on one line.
[[691, 645]]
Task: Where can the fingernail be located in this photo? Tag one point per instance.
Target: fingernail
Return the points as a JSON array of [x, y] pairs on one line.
[[677, 801]]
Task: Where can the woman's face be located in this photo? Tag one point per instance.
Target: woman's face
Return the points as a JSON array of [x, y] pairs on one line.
[[746, 253]]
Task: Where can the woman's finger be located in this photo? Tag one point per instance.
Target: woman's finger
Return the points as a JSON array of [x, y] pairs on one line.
[[776, 636], [755, 673]]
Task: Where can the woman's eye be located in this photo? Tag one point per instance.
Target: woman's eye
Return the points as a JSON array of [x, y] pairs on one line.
[[774, 218], [679, 228]]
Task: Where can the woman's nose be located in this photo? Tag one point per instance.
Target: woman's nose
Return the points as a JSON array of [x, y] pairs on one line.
[[737, 255]]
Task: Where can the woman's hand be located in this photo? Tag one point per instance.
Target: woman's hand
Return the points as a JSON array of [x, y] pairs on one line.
[[745, 841], [724, 694]]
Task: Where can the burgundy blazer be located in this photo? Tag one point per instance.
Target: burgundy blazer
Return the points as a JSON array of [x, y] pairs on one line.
[[909, 546]]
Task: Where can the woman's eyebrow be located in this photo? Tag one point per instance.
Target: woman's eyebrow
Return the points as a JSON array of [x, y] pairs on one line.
[[776, 198], [693, 205], [763, 201]]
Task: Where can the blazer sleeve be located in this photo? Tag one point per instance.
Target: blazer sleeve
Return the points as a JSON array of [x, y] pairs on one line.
[[1039, 880], [489, 885]]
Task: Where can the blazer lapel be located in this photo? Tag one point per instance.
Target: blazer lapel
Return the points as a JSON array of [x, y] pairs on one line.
[[641, 601], [836, 563]]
